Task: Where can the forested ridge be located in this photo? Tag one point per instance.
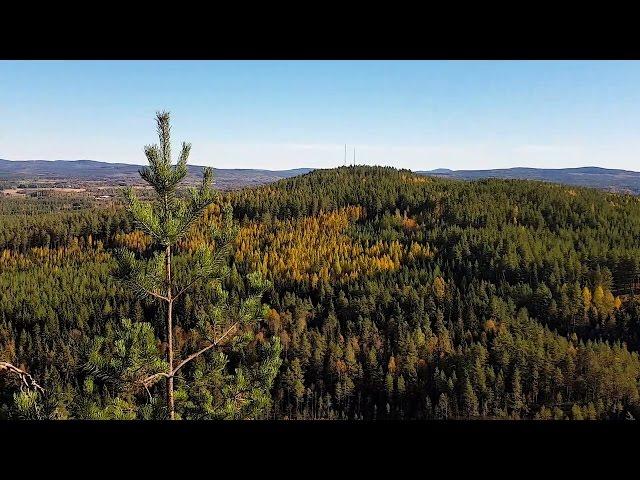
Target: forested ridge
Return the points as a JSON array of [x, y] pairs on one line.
[[393, 295]]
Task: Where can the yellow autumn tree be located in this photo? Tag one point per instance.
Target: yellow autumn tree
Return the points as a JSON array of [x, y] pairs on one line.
[[439, 288], [586, 298]]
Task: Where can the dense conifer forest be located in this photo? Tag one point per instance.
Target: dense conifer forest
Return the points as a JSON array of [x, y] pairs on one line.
[[388, 295]]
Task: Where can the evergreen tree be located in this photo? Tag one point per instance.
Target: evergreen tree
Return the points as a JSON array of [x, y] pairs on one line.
[[469, 400], [167, 220]]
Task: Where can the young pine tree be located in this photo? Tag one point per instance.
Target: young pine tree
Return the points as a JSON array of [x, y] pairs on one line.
[[167, 219]]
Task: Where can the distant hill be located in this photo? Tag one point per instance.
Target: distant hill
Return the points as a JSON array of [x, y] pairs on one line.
[[82, 171], [596, 177]]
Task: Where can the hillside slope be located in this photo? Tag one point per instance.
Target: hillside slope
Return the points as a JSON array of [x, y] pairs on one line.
[[394, 296]]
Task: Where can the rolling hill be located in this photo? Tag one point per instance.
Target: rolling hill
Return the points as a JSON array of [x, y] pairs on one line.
[[625, 181]]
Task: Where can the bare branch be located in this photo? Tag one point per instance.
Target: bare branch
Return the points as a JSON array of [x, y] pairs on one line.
[[148, 392], [25, 377], [153, 294], [152, 379], [189, 285], [203, 350], [147, 291]]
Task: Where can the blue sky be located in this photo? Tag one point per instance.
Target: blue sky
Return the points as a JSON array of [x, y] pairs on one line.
[[276, 115]]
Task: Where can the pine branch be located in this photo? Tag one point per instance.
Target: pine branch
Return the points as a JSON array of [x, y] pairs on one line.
[[143, 214], [164, 133], [181, 170], [209, 266], [199, 199], [145, 279]]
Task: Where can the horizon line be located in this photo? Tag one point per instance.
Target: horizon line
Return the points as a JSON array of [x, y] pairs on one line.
[[326, 168]]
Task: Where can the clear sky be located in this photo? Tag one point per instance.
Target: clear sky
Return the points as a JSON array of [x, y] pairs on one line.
[[278, 115]]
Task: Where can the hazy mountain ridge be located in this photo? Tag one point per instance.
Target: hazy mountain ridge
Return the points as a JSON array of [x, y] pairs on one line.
[[79, 171], [596, 177]]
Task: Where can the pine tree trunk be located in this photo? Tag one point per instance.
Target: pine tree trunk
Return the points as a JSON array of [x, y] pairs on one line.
[[170, 403]]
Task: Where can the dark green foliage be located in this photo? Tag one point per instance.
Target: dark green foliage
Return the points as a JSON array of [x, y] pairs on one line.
[[494, 325], [166, 220]]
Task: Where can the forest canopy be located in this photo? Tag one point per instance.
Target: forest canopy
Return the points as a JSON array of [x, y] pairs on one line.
[[392, 295]]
